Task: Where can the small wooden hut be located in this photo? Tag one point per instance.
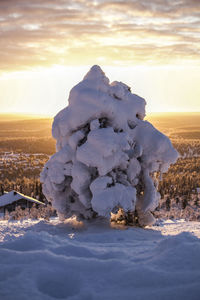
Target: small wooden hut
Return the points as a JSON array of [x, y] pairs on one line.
[[9, 201]]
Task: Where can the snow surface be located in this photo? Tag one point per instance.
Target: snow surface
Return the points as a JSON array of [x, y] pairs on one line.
[[107, 155], [42, 260]]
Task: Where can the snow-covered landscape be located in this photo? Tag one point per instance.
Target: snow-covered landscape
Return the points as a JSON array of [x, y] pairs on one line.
[[109, 160], [99, 150], [54, 260]]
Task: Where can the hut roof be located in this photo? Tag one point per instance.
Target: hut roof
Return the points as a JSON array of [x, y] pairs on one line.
[[13, 196]]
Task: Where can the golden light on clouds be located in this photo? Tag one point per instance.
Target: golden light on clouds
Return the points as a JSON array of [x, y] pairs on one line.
[[35, 33], [47, 46]]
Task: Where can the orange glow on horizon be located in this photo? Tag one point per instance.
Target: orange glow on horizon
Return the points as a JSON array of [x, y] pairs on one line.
[[45, 91], [48, 46]]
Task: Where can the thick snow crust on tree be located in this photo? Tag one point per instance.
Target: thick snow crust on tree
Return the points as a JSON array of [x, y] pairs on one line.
[[107, 156]]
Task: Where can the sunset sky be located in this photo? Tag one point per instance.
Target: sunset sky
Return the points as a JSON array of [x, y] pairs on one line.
[[46, 46]]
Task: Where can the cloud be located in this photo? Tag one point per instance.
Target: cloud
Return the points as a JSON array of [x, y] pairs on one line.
[[42, 33], [153, 8]]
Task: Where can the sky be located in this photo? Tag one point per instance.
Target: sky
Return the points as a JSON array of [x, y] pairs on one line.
[[47, 46]]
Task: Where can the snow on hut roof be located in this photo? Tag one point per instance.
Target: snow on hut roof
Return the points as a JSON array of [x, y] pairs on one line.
[[13, 196]]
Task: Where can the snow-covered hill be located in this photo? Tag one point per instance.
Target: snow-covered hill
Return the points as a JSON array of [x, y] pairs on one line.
[[54, 260]]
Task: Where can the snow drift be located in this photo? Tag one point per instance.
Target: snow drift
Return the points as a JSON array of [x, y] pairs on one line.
[[107, 156], [56, 260]]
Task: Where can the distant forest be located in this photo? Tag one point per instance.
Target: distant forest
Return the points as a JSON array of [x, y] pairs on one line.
[[27, 138]]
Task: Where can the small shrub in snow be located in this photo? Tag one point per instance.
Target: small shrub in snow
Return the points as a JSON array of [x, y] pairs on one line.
[[6, 216], [42, 212], [19, 213], [107, 156]]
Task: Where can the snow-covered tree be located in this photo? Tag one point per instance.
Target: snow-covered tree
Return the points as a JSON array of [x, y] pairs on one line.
[[108, 157]]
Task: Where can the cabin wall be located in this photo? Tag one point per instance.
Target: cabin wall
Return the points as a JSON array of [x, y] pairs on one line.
[[23, 203]]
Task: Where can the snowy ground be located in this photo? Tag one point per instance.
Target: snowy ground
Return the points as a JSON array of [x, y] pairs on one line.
[[53, 260]]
